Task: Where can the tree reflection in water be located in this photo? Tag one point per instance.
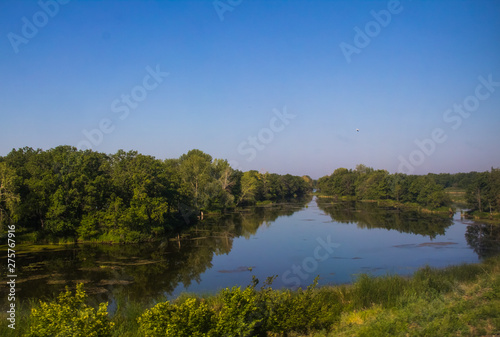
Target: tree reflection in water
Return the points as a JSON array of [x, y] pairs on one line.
[[151, 270], [145, 270], [484, 239], [370, 215]]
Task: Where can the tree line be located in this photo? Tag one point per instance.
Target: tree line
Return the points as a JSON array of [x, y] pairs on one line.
[[482, 189], [65, 192], [483, 193], [366, 183]]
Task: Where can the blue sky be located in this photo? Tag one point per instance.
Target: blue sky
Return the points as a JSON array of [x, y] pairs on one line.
[[94, 74]]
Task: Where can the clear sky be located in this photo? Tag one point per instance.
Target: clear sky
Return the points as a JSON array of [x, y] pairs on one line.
[[278, 86]]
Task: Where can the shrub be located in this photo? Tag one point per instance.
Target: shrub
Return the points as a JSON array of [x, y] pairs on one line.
[[240, 314], [191, 318], [68, 315], [301, 311]]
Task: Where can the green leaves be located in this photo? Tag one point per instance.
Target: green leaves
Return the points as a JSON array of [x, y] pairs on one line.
[[365, 183], [191, 318], [239, 315], [88, 195], [450, 301], [70, 316], [9, 198], [483, 193]]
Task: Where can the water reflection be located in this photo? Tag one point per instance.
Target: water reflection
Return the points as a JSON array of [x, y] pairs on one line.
[[146, 270], [277, 237], [370, 215], [484, 239]]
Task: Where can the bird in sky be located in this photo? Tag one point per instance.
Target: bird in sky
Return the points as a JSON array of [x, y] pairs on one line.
[[357, 130]]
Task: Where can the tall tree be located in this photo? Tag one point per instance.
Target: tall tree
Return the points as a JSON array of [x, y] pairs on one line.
[[478, 191], [9, 198], [220, 188], [249, 187], [195, 169]]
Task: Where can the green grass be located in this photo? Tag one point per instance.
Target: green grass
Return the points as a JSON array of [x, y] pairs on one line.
[[457, 300], [469, 308], [489, 217], [125, 317]]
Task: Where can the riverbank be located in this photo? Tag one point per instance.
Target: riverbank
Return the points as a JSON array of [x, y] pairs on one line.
[[455, 300], [493, 217], [406, 206], [172, 230]]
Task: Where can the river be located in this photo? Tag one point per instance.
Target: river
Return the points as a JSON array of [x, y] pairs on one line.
[[295, 241]]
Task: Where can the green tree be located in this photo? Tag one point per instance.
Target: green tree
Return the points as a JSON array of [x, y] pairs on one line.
[[147, 193], [343, 182], [494, 190], [219, 189], [9, 198], [478, 191], [309, 182], [373, 185], [397, 185], [195, 170], [39, 184], [249, 187], [323, 185]]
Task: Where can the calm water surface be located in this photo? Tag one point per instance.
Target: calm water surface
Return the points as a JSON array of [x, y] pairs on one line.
[[297, 242]]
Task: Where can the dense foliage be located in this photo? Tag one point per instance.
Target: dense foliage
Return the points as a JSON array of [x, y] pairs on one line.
[[70, 316], [483, 193], [126, 196], [455, 180], [365, 183], [482, 188]]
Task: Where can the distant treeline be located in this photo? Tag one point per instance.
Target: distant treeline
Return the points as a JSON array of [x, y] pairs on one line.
[[365, 183], [482, 188], [126, 196]]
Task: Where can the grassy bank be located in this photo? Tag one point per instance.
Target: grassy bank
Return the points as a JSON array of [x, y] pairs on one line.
[[466, 303], [458, 300], [489, 217]]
